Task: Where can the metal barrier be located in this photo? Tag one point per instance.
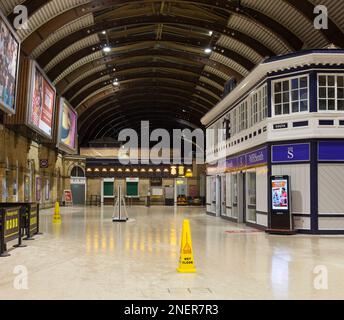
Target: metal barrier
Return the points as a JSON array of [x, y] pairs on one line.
[[10, 227], [29, 218], [94, 201]]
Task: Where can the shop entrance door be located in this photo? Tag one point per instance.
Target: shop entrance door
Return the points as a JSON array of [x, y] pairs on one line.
[[218, 196], [241, 197], [78, 192], [223, 196], [234, 189]]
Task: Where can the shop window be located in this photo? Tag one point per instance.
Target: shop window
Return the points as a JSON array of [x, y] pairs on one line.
[[254, 109], [108, 189], [235, 198], [251, 197], [291, 96], [331, 92], [243, 116], [265, 109]]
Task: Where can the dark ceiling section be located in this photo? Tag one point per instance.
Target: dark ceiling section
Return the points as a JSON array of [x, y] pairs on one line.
[[157, 58]]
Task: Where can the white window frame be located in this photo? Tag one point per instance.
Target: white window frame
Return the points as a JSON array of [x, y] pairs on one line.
[[290, 96], [336, 111]]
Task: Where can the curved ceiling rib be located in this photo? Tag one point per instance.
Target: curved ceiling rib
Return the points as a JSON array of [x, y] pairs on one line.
[[157, 54], [137, 67], [130, 110], [223, 5]]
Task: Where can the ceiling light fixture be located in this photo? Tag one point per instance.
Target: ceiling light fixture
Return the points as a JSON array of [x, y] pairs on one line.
[[107, 49], [208, 50]]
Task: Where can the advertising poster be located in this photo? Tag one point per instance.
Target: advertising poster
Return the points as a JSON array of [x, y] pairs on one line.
[[280, 197], [27, 193], [68, 197], [38, 189], [68, 126], [42, 104], [9, 61]]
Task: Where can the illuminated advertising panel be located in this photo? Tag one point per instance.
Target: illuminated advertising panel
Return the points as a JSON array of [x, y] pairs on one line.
[[67, 127], [41, 103], [9, 65], [280, 196], [280, 219]]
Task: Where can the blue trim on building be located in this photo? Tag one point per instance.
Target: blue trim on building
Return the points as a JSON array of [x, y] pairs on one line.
[[313, 92], [314, 190], [269, 91], [268, 184]]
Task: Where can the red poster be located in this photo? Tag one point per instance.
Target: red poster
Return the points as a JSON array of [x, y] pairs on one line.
[[48, 104], [68, 196], [42, 104]]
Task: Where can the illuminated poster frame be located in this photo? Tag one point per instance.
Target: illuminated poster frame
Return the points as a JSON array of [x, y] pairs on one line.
[[280, 208], [3, 106], [60, 144], [33, 68]]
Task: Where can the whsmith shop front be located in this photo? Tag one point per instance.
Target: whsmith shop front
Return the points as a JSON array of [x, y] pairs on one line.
[[240, 187]]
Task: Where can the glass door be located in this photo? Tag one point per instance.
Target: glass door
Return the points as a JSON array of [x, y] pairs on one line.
[[235, 198], [251, 197], [223, 196]]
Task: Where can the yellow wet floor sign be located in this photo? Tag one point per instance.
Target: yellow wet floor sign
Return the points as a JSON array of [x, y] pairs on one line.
[[57, 215], [186, 262]]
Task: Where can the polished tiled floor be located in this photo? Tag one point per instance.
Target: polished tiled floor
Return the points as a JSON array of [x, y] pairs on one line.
[[89, 257]]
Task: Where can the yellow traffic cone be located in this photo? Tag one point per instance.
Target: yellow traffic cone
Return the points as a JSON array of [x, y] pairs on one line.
[[186, 262], [57, 216]]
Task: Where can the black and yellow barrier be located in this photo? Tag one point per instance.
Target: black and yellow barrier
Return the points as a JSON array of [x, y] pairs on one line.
[[10, 227], [29, 218]]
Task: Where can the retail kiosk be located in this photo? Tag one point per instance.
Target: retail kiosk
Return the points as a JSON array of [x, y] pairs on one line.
[[286, 118]]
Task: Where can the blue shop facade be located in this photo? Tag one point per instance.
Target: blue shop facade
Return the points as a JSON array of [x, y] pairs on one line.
[[285, 119]]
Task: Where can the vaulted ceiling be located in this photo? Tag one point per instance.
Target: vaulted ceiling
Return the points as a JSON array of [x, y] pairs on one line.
[[158, 53]]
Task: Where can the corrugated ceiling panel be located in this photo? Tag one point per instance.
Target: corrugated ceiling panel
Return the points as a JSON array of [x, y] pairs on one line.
[[7, 6], [216, 72], [91, 57], [335, 10], [257, 31], [240, 48], [85, 75], [70, 28], [48, 12], [105, 78], [201, 98], [77, 46], [230, 63], [200, 88], [110, 87], [211, 82], [291, 18]]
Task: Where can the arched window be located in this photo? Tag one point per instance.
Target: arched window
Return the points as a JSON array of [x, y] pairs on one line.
[[77, 172]]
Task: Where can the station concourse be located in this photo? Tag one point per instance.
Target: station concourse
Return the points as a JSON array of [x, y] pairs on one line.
[[171, 150]]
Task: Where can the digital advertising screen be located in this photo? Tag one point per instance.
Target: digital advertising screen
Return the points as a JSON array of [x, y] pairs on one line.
[[68, 126], [9, 63], [41, 103], [280, 196]]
